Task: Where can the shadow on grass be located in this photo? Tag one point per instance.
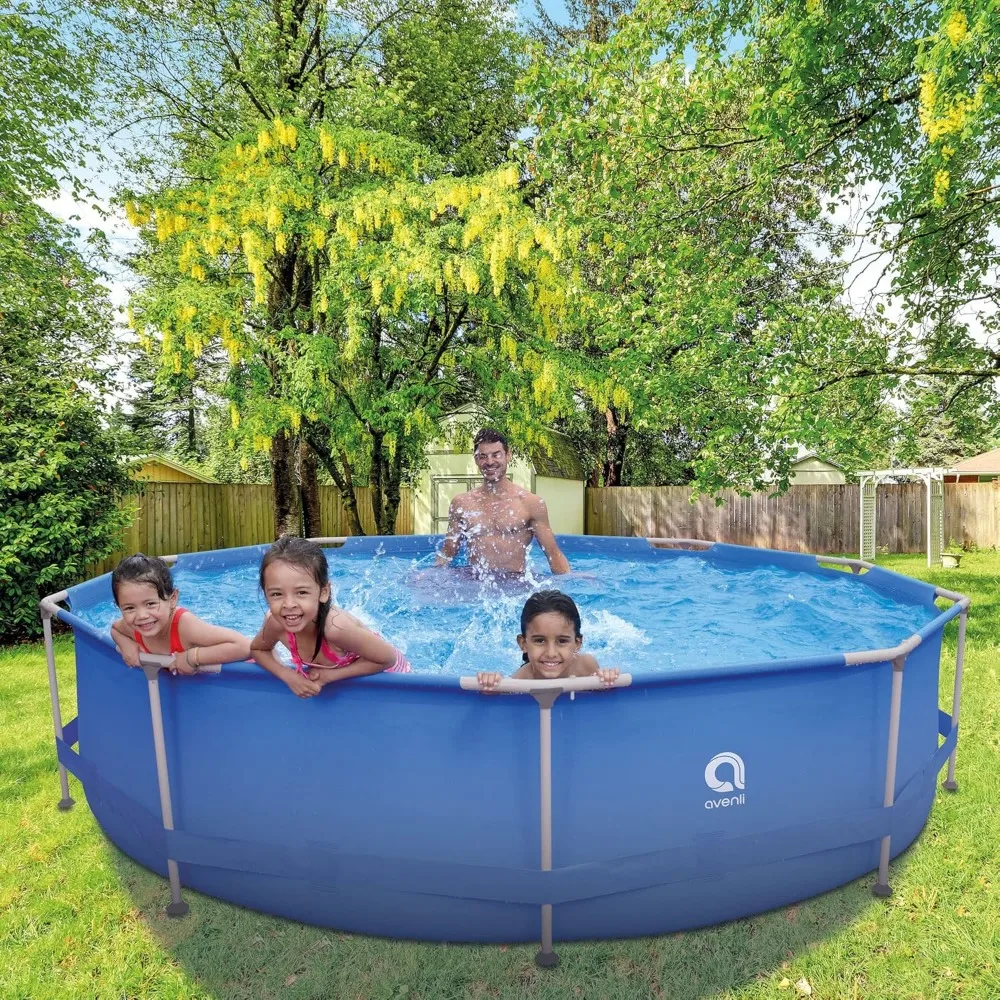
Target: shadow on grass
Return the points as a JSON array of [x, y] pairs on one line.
[[237, 953]]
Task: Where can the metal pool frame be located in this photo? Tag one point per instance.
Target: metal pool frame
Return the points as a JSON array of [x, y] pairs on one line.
[[545, 694]]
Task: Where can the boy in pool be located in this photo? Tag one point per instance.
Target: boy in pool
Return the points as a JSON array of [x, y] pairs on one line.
[[151, 622], [550, 642]]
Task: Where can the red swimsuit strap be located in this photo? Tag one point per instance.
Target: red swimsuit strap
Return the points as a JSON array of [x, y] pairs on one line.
[[176, 646]]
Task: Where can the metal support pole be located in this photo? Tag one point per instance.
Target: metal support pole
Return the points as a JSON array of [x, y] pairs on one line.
[[47, 610], [930, 526], [861, 521], [881, 887], [177, 907], [546, 958], [956, 702]]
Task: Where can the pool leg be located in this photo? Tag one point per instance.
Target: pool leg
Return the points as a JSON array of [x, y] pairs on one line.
[[66, 802], [177, 907], [546, 958], [881, 887], [956, 702]]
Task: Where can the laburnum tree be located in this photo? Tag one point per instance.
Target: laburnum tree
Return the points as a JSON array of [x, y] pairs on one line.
[[361, 293], [311, 168]]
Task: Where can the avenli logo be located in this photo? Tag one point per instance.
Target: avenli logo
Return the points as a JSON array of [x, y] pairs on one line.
[[719, 785]]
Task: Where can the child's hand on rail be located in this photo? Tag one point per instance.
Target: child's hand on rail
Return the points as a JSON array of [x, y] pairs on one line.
[[129, 655], [302, 686], [608, 675], [182, 664], [488, 680]]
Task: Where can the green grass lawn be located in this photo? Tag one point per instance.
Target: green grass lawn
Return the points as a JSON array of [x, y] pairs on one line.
[[78, 919]]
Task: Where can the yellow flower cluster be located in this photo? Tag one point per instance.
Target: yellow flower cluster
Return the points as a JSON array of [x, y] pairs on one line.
[[327, 147], [956, 111], [957, 28], [545, 383], [508, 348], [942, 181], [470, 277], [287, 135], [136, 215], [169, 224]]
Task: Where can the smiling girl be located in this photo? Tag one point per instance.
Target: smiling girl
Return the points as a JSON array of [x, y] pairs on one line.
[[326, 643], [151, 621], [550, 642]]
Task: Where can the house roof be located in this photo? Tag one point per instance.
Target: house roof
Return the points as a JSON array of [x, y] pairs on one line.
[[141, 460], [812, 455], [988, 463], [563, 463]]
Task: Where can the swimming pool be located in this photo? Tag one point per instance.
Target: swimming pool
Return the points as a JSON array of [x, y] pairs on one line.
[[406, 806]]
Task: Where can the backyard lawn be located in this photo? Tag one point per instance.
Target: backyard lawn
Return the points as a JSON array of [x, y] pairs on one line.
[[78, 919]]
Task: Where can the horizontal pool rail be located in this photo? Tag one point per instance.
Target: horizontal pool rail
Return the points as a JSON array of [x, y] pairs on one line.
[[679, 543], [518, 685]]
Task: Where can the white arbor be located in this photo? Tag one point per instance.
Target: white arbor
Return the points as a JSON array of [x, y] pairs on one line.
[[933, 478]]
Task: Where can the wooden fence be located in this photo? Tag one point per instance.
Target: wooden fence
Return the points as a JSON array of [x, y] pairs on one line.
[[805, 519], [196, 517]]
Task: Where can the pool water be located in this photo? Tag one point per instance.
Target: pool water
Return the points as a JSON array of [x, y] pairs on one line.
[[645, 616]]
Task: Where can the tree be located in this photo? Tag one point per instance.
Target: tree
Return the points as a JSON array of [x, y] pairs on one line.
[[60, 478], [236, 74], [898, 98], [382, 294], [60, 481], [715, 303]]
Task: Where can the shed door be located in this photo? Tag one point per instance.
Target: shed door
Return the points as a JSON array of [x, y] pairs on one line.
[[443, 489]]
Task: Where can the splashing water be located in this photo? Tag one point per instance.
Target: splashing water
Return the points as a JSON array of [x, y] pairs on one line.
[[644, 616]]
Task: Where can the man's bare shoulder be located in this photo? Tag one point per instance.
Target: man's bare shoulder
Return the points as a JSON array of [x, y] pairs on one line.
[[466, 501]]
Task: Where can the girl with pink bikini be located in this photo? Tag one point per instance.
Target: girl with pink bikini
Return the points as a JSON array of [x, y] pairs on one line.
[[326, 643]]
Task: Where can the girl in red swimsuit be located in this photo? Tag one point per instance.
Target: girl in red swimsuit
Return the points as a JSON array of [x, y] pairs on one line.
[[151, 622], [296, 583]]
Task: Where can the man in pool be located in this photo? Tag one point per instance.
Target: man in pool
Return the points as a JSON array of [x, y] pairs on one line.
[[498, 519]]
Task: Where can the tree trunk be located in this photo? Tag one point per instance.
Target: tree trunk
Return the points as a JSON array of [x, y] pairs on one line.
[[319, 440], [309, 491], [617, 435], [192, 437], [283, 491], [378, 483]]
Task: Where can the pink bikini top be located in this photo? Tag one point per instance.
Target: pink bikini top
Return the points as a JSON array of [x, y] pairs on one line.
[[336, 659]]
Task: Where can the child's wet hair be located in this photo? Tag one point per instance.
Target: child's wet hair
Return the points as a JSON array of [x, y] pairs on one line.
[[140, 568], [308, 556], [546, 601]]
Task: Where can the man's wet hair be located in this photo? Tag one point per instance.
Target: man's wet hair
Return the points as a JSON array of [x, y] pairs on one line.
[[489, 435], [140, 568], [544, 601]]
